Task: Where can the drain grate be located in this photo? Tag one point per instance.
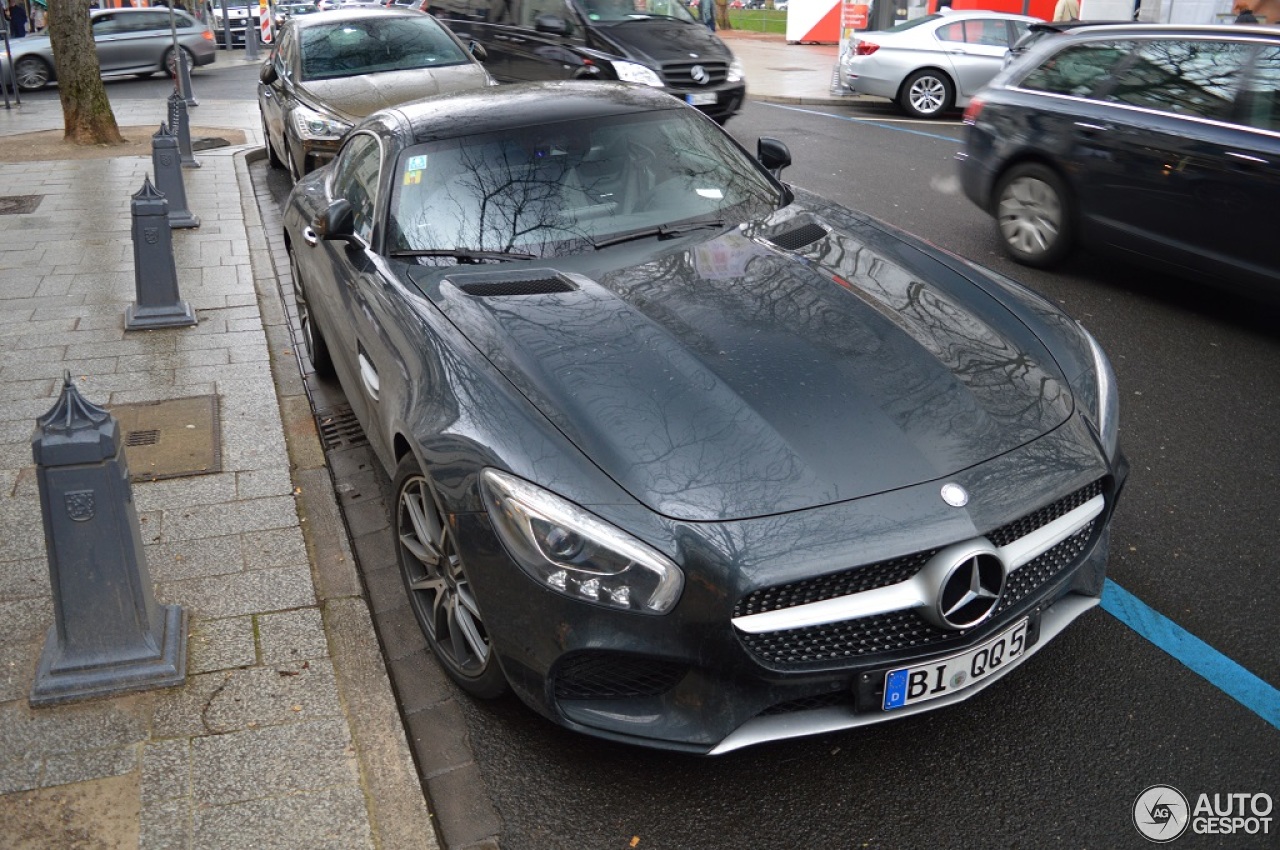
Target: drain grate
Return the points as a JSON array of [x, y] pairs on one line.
[[19, 204], [142, 438], [339, 429]]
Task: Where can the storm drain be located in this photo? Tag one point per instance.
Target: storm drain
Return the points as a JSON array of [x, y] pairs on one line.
[[19, 204], [339, 429], [171, 438]]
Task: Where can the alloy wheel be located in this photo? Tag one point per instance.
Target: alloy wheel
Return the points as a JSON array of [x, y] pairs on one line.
[[1030, 216]]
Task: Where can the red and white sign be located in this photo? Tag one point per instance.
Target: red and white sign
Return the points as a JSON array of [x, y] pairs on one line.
[[264, 22], [813, 21]]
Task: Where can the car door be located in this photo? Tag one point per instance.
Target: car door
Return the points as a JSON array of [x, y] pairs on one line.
[[277, 96], [358, 278], [975, 50], [1178, 191], [536, 50], [146, 37], [111, 38]]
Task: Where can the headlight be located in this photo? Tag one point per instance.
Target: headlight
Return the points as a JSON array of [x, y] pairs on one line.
[[317, 125], [1107, 403], [573, 552], [630, 72], [736, 71]]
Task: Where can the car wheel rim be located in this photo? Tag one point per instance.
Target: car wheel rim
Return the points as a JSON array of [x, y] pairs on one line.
[[304, 314], [1030, 216], [927, 95], [438, 587], [31, 75]]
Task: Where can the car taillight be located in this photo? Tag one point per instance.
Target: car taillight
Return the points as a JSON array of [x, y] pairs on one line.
[[865, 48], [972, 111], [207, 35]]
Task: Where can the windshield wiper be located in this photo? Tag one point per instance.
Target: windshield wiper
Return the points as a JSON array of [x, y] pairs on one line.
[[465, 255], [662, 231]]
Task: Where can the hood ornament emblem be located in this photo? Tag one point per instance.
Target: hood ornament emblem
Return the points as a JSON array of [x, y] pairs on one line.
[[955, 495]]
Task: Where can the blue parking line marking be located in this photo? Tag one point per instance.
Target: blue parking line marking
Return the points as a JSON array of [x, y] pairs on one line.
[[1219, 670], [867, 121]]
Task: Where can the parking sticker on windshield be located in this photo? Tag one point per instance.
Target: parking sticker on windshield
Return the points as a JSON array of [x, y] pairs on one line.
[[412, 178], [417, 163]]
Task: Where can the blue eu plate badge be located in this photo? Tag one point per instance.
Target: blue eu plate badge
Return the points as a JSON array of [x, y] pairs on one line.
[[895, 689]]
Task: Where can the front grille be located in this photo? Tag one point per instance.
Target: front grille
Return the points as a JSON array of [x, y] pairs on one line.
[[679, 75], [615, 675], [896, 631]]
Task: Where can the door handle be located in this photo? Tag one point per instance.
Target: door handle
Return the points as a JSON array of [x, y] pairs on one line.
[[1247, 159], [1087, 129], [309, 236]]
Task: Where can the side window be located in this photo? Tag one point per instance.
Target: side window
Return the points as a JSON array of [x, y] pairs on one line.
[[283, 58], [534, 9], [355, 178], [106, 25], [1019, 29], [1258, 104], [992, 33], [1183, 77], [951, 32], [1077, 70], [505, 12]]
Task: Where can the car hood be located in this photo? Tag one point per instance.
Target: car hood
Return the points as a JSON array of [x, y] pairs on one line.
[[658, 40], [353, 98], [730, 378]]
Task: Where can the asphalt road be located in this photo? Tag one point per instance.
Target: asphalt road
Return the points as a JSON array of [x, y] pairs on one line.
[[1056, 754]]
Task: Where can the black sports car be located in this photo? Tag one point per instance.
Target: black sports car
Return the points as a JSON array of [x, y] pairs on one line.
[[685, 456]]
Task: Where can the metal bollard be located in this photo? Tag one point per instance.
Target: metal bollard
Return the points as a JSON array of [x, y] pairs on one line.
[[180, 127], [184, 81], [154, 273], [168, 170], [109, 635]]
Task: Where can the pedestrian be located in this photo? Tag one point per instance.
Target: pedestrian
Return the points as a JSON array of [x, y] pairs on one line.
[[17, 20], [37, 18], [1246, 16], [1066, 10], [707, 12]]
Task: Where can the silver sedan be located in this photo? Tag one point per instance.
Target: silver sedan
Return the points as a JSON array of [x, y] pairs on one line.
[[931, 64], [129, 41]]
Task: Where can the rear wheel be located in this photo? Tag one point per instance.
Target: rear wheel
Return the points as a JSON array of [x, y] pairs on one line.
[[926, 94], [317, 348], [440, 593], [32, 73], [1033, 214]]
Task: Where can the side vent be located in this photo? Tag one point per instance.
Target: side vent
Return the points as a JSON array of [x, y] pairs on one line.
[[792, 240], [503, 288]]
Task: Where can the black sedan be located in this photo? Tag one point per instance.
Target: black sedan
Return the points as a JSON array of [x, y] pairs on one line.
[[684, 456]]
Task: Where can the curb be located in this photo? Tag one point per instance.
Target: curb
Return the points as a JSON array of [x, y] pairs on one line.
[[397, 808]]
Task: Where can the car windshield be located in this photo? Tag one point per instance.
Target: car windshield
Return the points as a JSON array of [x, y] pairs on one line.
[[370, 45], [551, 188], [614, 11]]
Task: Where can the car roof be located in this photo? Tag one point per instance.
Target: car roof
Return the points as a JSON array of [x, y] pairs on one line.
[[497, 108], [349, 13], [966, 14], [1227, 30]]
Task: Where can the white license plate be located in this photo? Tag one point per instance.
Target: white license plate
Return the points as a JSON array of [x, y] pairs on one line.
[[701, 98], [910, 685]]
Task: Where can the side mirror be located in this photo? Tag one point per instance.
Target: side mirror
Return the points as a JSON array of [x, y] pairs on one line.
[[337, 223], [267, 75], [773, 155], [477, 50], [551, 25]]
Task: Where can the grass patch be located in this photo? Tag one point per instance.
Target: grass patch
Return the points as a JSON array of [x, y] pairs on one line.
[[758, 20]]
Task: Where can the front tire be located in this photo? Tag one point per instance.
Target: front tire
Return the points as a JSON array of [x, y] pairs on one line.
[[32, 73], [1033, 215], [317, 348], [170, 64], [927, 94], [272, 158], [439, 591]]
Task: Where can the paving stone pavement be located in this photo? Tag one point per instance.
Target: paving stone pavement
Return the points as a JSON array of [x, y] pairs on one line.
[[286, 733]]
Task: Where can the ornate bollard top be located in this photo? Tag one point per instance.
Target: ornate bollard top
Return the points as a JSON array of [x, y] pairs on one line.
[[74, 430]]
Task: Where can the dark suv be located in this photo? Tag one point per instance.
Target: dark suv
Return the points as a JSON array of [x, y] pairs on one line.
[[1160, 141]]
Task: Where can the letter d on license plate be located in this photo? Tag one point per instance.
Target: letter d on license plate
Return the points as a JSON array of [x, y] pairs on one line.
[[910, 685]]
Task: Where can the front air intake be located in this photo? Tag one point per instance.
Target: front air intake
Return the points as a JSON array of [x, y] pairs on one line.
[[791, 240], [505, 288]]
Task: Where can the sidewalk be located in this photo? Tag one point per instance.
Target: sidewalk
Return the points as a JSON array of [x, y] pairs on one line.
[[286, 732]]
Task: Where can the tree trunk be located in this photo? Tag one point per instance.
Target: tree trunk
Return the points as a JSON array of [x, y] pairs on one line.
[[87, 118], [722, 15]]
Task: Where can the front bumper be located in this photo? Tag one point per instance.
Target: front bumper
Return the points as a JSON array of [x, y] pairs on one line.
[[692, 681]]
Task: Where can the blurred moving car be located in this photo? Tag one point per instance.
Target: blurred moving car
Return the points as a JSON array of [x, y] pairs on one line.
[[684, 456], [1041, 30], [285, 11], [653, 42], [931, 64], [1161, 142], [128, 41], [327, 71]]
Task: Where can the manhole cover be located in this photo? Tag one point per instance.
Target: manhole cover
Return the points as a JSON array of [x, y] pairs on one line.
[[172, 438], [19, 204], [339, 428]]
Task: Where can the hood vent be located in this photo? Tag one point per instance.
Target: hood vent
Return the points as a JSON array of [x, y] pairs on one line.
[[791, 240], [503, 288]]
